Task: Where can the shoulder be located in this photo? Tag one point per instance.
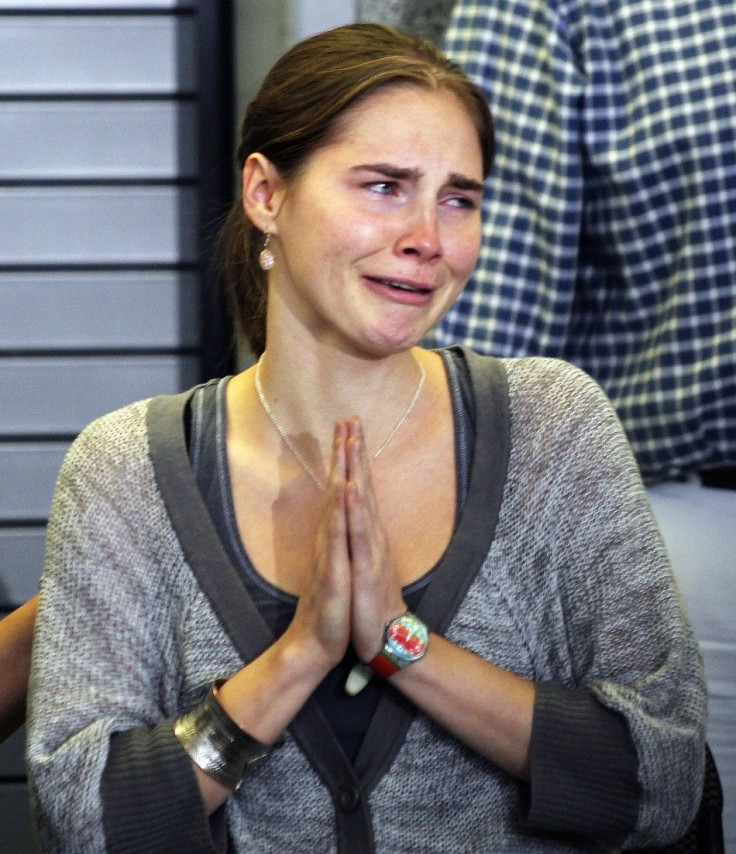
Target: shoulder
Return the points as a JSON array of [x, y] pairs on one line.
[[535, 368], [114, 448], [556, 386], [107, 502], [129, 417], [556, 407], [110, 440], [125, 431], [535, 380], [563, 424]]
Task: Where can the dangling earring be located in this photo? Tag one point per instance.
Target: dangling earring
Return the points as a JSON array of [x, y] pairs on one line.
[[266, 258]]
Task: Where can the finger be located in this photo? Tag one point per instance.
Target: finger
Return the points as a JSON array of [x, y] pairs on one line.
[[376, 594], [368, 547], [338, 463], [332, 533], [365, 532], [337, 530], [332, 576], [358, 465], [359, 528], [334, 524], [355, 441], [324, 608]]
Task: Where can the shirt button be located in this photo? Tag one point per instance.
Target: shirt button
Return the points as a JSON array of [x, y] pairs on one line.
[[348, 798]]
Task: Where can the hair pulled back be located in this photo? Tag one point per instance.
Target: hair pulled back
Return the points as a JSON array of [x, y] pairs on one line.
[[296, 111]]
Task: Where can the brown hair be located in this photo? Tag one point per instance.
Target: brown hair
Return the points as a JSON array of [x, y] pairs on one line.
[[296, 111]]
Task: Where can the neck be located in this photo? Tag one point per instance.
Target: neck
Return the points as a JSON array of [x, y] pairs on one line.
[[307, 395]]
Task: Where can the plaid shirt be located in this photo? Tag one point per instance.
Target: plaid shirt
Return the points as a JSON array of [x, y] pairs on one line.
[[610, 217]]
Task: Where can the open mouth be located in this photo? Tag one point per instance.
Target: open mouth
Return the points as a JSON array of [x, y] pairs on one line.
[[402, 286]]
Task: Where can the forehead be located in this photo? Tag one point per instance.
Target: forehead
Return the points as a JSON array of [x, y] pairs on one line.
[[407, 120]]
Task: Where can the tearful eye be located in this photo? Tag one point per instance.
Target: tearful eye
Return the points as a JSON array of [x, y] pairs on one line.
[[384, 188], [462, 202]]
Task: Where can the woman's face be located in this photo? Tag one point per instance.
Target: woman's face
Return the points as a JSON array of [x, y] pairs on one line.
[[379, 231]]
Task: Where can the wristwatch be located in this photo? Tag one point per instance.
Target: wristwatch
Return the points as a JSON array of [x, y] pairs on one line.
[[405, 640]]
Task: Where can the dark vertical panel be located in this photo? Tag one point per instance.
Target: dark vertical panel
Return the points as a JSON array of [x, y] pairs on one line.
[[216, 134]]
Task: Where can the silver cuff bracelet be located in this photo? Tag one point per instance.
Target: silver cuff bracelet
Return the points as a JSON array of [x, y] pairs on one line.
[[216, 743]]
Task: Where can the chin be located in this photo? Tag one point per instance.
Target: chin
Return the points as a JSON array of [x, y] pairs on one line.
[[389, 345], [378, 339], [395, 338]]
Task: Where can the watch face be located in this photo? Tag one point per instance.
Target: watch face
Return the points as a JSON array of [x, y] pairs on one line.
[[406, 637]]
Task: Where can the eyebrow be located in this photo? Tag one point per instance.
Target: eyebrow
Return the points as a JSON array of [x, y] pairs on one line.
[[400, 173]]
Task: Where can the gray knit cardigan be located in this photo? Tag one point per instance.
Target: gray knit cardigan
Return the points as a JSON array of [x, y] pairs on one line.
[[574, 590]]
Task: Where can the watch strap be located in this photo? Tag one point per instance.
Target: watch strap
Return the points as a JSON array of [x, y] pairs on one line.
[[383, 665]]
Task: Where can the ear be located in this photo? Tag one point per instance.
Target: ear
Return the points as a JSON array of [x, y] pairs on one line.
[[263, 191]]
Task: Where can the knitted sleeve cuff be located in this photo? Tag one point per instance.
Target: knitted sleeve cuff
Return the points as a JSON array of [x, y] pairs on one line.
[[150, 797], [583, 767]]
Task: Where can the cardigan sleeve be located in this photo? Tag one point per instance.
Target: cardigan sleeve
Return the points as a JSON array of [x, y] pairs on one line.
[[105, 771], [606, 623], [147, 786], [583, 767]]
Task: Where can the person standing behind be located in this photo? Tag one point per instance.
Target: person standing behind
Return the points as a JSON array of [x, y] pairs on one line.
[[609, 240]]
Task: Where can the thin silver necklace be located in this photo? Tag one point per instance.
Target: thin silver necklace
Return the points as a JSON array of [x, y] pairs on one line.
[[297, 453]]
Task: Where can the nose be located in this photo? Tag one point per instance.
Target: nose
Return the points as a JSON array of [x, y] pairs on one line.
[[420, 236]]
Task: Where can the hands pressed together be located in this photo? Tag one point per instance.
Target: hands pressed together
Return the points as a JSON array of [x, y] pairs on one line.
[[352, 592], [354, 589]]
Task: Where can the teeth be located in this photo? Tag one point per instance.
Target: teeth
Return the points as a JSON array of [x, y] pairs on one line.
[[399, 285]]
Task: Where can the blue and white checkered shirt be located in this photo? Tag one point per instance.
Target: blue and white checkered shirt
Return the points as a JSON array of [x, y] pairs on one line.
[[610, 216]]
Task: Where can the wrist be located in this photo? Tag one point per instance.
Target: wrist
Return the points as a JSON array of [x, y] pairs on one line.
[[304, 655], [216, 744], [405, 641], [264, 696]]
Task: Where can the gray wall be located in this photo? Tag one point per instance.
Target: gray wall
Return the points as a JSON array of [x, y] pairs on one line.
[[98, 238], [99, 273]]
